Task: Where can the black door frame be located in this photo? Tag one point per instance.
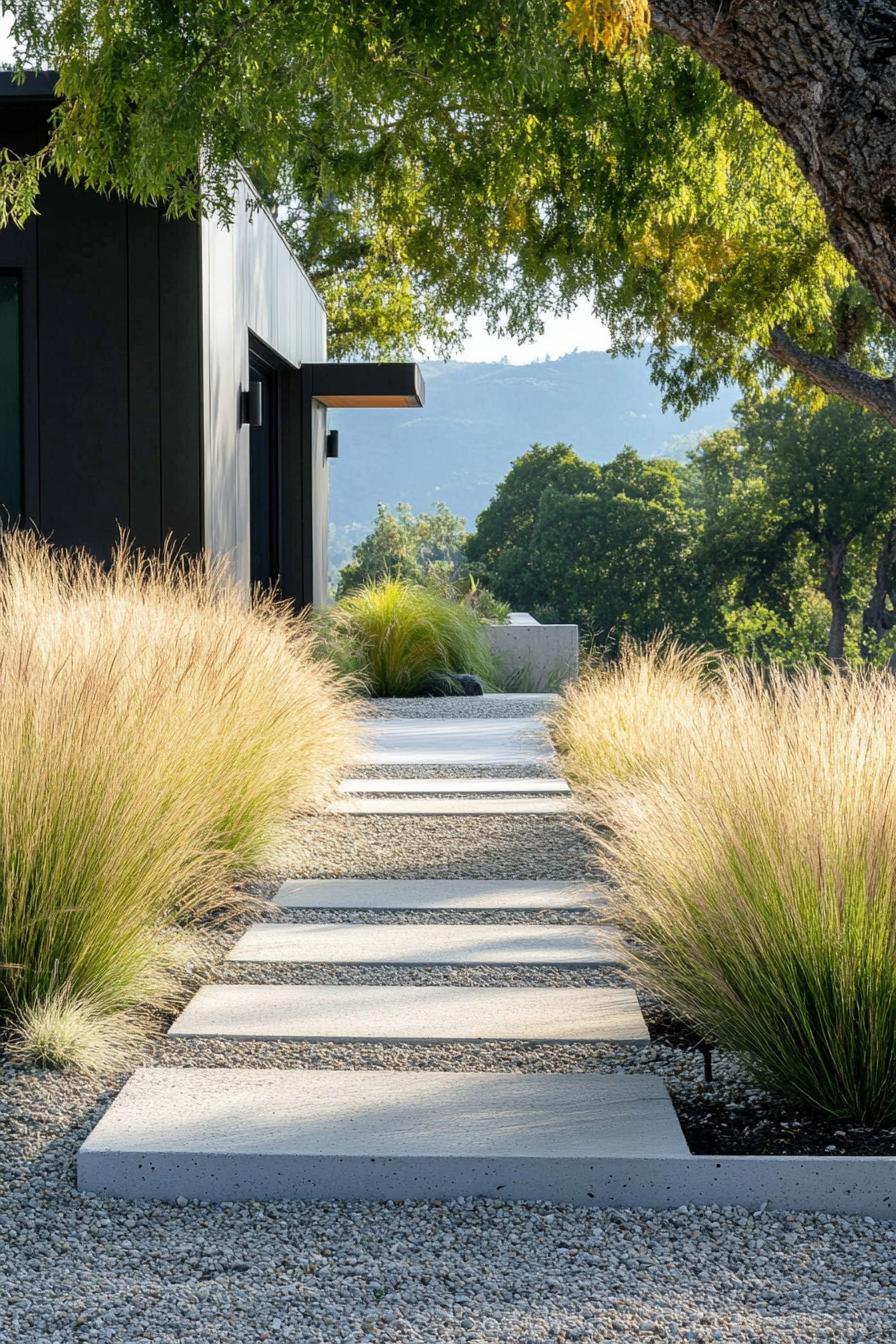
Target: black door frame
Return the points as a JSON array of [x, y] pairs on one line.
[[292, 496], [264, 367], [18, 256], [6, 513]]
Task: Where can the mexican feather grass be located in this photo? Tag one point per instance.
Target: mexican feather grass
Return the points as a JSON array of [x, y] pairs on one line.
[[622, 718], [155, 734], [753, 843]]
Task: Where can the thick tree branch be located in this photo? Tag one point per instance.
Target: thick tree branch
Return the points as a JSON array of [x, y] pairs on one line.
[[823, 73], [836, 377]]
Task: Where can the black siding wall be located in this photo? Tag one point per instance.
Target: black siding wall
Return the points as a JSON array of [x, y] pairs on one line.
[[111, 366]]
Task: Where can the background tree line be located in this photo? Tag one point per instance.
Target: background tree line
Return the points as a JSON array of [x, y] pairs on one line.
[[776, 538]]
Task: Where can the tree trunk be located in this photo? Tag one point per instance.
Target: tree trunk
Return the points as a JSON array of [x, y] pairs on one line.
[[823, 73], [833, 591], [879, 617]]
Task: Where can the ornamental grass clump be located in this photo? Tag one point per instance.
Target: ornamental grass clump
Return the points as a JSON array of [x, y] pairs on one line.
[[624, 717], [396, 637], [155, 734], [756, 869]]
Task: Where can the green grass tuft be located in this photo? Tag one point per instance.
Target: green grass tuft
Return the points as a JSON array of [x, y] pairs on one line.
[[65, 1032], [395, 636]]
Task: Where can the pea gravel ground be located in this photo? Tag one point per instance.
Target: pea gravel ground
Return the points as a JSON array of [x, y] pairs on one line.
[[458, 707], [83, 1268]]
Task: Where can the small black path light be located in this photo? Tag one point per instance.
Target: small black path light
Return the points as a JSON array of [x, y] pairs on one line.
[[706, 1052]]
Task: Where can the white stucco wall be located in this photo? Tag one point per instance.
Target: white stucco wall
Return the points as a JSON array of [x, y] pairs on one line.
[[250, 282]]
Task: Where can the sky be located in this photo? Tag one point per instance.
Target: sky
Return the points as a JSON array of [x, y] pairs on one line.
[[580, 330]]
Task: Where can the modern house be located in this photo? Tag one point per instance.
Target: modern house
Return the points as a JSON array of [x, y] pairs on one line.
[[168, 377]]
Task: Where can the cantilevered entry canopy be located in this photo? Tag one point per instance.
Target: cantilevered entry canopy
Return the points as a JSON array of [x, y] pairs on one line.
[[351, 385]]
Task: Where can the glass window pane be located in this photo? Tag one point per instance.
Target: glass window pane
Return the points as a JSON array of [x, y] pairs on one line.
[[10, 399]]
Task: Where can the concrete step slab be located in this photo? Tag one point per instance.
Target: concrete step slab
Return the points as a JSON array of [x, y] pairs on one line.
[[453, 807], [548, 698], [431, 894], [228, 1134], [451, 786], [522, 741], [429, 944], [411, 1013]]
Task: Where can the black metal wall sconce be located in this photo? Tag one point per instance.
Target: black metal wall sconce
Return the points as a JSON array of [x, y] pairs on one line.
[[251, 406]]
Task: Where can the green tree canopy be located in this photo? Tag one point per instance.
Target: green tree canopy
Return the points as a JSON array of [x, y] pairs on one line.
[[409, 546], [610, 548], [432, 160], [776, 539], [796, 494], [503, 544]]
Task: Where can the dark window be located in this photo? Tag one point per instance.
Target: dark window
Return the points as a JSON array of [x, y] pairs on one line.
[[10, 397]]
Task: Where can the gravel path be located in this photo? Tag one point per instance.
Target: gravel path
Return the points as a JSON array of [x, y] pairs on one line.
[[456, 707], [551, 848], [83, 1268], [538, 770]]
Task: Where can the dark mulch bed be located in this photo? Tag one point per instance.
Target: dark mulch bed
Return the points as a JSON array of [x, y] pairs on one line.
[[776, 1129], [758, 1125]]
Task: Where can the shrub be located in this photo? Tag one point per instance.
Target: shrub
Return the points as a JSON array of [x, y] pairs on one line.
[[155, 732], [483, 603], [396, 636], [755, 864]]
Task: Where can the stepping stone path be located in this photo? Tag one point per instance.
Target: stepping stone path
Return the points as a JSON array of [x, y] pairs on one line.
[[226, 1134], [453, 807], [428, 944], [411, 1013], [440, 893], [457, 742], [437, 797], [432, 787], [271, 1133]]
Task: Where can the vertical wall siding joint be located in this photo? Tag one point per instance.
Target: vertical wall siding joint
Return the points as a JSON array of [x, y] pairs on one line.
[[129, 369], [200, 364], [34, 301], [160, 423]]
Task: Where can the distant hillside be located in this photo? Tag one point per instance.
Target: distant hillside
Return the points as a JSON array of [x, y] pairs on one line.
[[479, 417]]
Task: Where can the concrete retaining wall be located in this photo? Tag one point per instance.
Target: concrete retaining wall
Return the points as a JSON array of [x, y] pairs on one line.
[[533, 657]]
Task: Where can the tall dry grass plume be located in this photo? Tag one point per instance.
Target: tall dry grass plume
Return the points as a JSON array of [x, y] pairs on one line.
[[155, 732], [623, 718], [755, 857]]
